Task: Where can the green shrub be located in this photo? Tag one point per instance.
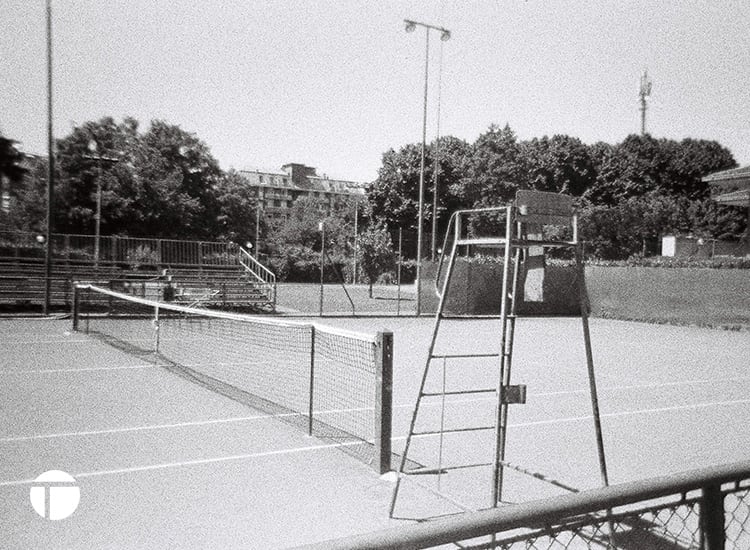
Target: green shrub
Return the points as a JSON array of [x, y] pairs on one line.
[[717, 262]]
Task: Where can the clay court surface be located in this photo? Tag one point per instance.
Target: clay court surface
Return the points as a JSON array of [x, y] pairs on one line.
[[164, 463]]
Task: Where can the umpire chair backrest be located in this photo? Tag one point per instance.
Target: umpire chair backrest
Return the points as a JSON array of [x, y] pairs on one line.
[[543, 208]]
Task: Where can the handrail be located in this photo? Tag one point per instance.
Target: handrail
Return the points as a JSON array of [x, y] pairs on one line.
[[541, 512], [257, 269]]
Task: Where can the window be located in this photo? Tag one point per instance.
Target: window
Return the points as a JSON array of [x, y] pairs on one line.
[[260, 179]]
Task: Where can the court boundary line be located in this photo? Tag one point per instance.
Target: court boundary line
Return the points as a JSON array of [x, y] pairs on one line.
[[171, 425], [188, 463], [605, 388], [617, 414], [313, 448], [84, 369], [210, 422]]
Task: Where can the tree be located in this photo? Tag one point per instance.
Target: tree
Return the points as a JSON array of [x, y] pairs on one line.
[[163, 183], [630, 169], [561, 164], [182, 171], [642, 164], [28, 199], [394, 196], [236, 205], [294, 242], [375, 252], [496, 169], [11, 161], [633, 226], [692, 159], [77, 176]]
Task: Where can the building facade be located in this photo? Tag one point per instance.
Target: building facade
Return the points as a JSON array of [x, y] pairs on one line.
[[277, 191]]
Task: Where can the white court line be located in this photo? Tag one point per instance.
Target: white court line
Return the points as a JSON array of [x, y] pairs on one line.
[[150, 427], [85, 369], [186, 463], [339, 411], [601, 389], [618, 414], [125, 367], [296, 450], [47, 342], [311, 448], [639, 411], [646, 386], [144, 428]]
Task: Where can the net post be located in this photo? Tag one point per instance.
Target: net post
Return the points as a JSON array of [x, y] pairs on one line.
[[75, 308], [311, 391], [384, 400]]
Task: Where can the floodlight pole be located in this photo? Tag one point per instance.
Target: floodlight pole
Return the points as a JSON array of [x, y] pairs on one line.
[[444, 35], [93, 147], [50, 165]]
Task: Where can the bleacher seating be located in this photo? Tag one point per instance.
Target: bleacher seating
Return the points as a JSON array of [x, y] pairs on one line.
[[233, 285]]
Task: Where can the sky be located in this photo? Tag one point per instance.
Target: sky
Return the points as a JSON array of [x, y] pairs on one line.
[[335, 83]]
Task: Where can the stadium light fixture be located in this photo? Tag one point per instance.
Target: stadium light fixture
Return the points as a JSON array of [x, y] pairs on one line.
[[444, 35]]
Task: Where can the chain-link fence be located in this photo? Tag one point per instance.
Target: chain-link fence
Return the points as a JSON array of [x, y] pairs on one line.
[[702, 509]]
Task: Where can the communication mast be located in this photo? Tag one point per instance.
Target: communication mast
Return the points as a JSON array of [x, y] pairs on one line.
[[645, 92]]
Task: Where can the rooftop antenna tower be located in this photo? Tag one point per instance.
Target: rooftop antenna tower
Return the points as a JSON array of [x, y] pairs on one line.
[[644, 93]]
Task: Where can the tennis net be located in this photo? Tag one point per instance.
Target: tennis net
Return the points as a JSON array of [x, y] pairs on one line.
[[333, 383]]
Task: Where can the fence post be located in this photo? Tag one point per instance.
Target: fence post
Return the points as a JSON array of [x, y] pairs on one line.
[[384, 400], [712, 517], [75, 309], [311, 393]]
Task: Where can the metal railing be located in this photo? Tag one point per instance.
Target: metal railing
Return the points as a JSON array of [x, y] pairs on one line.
[[260, 272], [706, 509], [74, 258], [131, 251]]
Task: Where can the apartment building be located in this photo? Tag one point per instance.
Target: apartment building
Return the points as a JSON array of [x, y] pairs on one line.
[[277, 191]]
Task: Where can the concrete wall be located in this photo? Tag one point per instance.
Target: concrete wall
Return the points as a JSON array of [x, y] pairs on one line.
[[712, 297], [476, 289]]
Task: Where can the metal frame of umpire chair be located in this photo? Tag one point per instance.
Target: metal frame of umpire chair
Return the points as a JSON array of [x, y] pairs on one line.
[[524, 222]]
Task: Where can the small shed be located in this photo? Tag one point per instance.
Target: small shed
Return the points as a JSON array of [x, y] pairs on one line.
[[732, 188]]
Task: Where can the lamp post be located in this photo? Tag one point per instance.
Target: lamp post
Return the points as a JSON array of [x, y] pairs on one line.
[[93, 147], [444, 35], [257, 226], [356, 246], [51, 166], [322, 229]]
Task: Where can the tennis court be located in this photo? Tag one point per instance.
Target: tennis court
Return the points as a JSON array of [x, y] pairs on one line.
[[164, 462]]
